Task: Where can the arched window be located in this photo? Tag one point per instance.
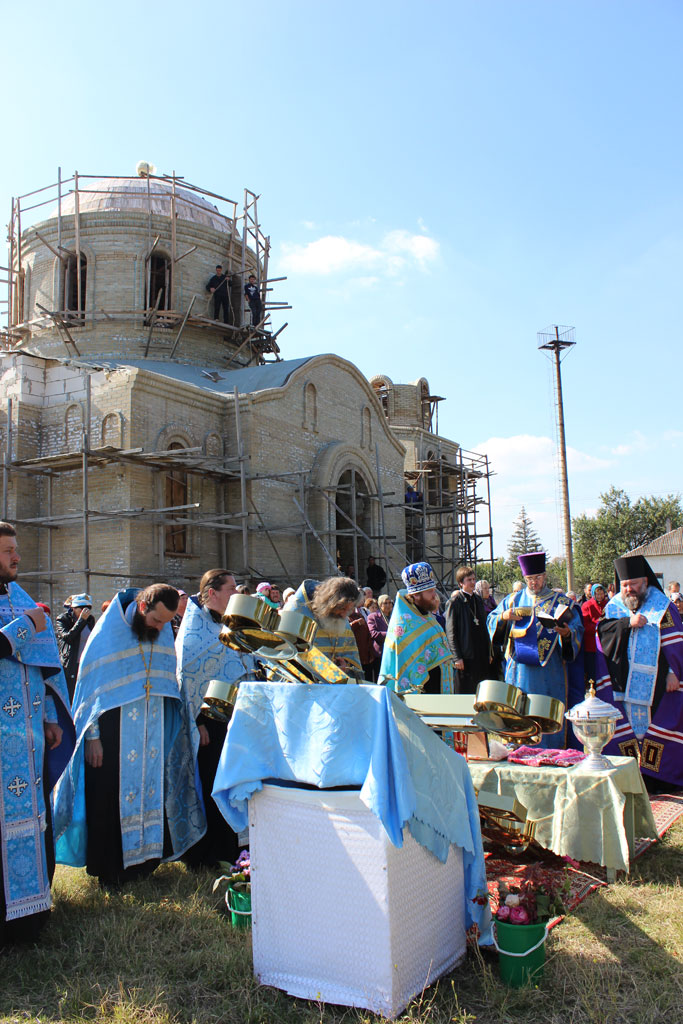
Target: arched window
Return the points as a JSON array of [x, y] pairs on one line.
[[366, 432], [176, 494], [353, 509], [111, 429], [310, 407], [213, 445], [425, 405], [158, 283], [73, 299], [74, 428], [383, 388]]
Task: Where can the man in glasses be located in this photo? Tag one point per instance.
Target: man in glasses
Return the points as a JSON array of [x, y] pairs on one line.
[[545, 634]]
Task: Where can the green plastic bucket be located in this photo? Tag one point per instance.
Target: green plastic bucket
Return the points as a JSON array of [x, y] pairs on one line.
[[522, 952], [239, 905]]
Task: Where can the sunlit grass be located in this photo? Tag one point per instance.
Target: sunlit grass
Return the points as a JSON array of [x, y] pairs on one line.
[[163, 952]]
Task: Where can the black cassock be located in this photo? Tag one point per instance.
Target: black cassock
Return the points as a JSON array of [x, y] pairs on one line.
[[468, 640]]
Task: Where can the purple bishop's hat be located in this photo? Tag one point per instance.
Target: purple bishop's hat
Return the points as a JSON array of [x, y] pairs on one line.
[[418, 577], [532, 563]]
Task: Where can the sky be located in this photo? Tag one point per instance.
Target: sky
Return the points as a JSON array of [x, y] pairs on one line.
[[439, 181]]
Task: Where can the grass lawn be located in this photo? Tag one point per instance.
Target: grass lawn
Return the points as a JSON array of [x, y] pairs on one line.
[[163, 951]]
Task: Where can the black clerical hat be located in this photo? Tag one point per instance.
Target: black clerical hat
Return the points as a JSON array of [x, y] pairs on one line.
[[631, 567]]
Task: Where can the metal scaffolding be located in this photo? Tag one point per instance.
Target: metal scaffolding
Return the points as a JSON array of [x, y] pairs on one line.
[[246, 251], [442, 528]]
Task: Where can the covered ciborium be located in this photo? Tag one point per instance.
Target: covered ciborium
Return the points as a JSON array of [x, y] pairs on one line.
[[594, 722]]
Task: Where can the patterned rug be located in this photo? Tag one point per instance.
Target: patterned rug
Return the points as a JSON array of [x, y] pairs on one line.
[[583, 878]]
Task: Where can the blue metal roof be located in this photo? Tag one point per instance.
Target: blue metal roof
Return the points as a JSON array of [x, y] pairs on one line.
[[247, 381]]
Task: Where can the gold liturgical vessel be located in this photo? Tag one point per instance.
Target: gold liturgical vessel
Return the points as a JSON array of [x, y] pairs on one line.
[[281, 640]]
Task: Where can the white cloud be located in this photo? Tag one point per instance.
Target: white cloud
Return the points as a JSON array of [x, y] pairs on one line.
[[329, 255], [524, 469], [422, 248], [637, 443], [365, 282], [335, 254], [525, 455]]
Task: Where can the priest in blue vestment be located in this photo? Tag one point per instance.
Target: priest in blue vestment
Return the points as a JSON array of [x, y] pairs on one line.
[[545, 633], [416, 656], [129, 798], [203, 657], [36, 740]]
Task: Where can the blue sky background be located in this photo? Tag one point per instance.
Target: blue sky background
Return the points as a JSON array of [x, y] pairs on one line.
[[440, 182]]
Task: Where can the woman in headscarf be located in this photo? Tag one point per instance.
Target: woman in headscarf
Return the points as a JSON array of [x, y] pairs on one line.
[[482, 588], [592, 611]]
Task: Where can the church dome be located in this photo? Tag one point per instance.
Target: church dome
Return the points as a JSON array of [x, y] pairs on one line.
[[107, 194]]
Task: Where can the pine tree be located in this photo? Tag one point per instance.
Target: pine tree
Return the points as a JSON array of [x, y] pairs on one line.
[[524, 537]]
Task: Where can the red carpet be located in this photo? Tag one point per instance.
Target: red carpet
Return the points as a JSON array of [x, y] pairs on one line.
[[583, 878]]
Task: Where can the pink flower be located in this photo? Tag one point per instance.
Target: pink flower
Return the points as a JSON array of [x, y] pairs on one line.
[[399, 630], [518, 915], [503, 913]]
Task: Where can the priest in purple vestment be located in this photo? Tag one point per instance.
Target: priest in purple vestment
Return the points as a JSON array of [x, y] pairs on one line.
[[639, 665]]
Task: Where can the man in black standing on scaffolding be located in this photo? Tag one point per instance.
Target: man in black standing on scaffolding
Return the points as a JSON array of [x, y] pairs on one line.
[[254, 299], [218, 286]]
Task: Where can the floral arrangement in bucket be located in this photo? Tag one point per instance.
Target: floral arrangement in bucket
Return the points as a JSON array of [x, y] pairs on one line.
[[522, 921], [532, 901], [239, 878], [238, 891]]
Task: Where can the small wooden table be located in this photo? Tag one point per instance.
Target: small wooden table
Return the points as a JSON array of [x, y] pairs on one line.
[[589, 816]]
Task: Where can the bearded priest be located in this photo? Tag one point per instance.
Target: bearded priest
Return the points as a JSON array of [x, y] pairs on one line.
[[128, 799]]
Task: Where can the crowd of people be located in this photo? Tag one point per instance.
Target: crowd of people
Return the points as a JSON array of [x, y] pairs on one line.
[[108, 755]]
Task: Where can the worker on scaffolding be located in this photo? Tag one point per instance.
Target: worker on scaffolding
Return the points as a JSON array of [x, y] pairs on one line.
[[254, 299], [218, 287]]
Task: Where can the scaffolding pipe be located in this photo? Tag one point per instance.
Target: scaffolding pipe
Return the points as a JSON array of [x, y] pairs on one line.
[[354, 523], [317, 536], [85, 447], [171, 298], [77, 236], [7, 463], [304, 537], [220, 496], [49, 540], [59, 211], [243, 482]]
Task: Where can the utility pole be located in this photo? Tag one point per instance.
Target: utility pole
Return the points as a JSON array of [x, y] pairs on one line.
[[556, 340]]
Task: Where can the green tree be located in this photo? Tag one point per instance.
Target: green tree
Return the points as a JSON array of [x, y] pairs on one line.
[[524, 537], [501, 574], [557, 573], [619, 526]]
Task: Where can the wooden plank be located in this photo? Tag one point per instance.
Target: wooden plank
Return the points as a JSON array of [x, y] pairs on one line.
[[182, 326]]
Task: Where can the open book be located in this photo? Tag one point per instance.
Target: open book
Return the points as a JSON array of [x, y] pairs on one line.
[[552, 619]]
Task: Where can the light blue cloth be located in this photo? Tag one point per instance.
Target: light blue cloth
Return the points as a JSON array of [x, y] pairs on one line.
[[156, 743], [363, 736], [32, 691]]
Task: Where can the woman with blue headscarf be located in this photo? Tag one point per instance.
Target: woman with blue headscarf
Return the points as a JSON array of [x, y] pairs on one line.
[[592, 610]]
